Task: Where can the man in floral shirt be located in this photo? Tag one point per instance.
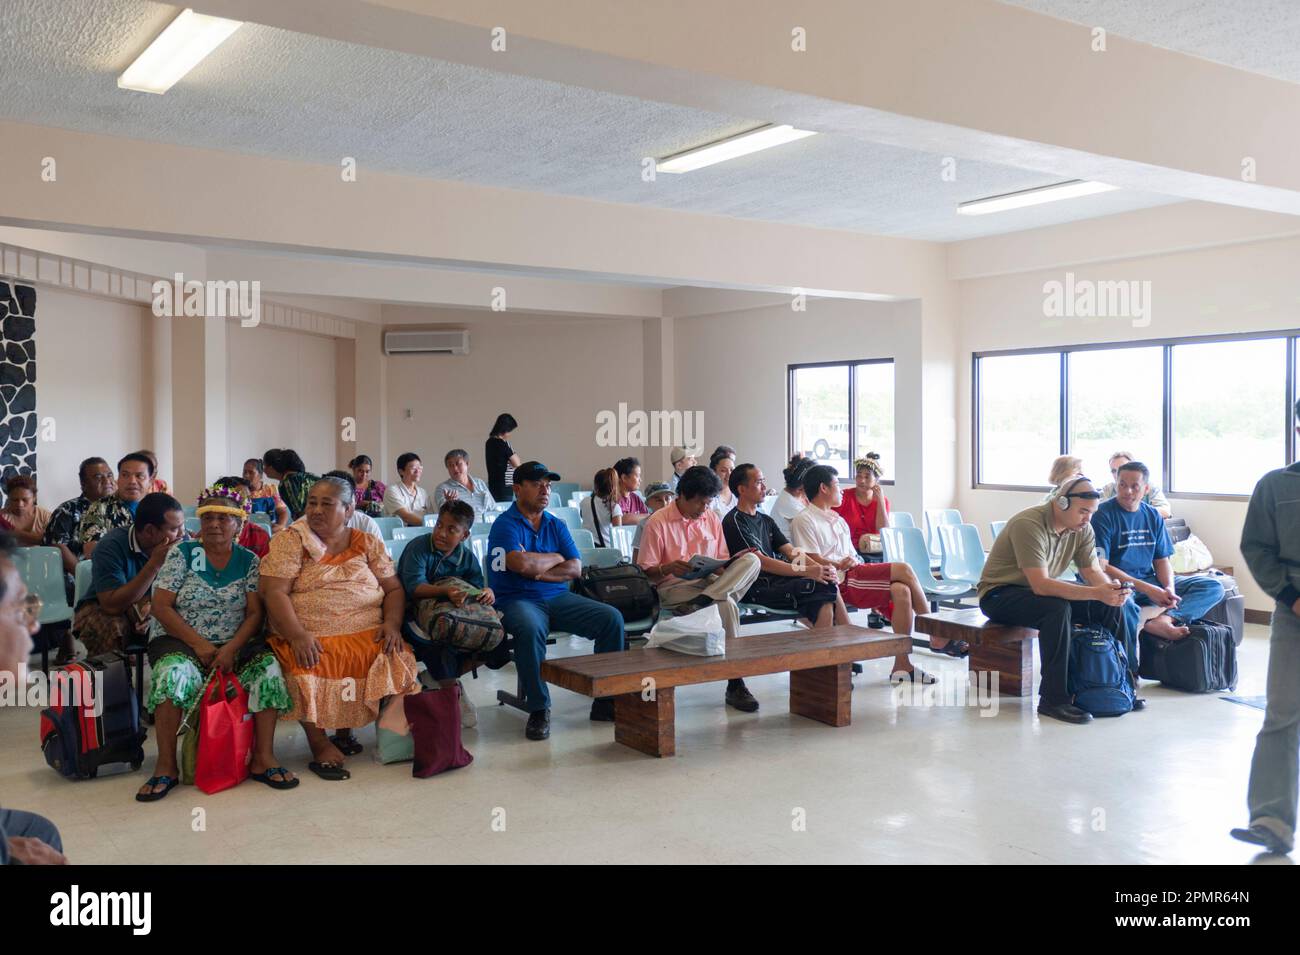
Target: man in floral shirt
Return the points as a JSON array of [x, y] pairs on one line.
[[134, 478]]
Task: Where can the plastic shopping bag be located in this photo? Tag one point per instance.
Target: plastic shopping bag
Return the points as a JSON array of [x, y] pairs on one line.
[[699, 633], [225, 735]]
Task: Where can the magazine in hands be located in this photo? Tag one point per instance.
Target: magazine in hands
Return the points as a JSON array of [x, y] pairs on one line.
[[702, 566]]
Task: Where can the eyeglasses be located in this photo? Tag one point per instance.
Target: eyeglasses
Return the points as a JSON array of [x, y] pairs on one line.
[[29, 612]]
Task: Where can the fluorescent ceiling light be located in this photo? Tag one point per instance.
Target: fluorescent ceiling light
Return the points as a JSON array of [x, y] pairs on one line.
[[176, 51], [1032, 197], [765, 137]]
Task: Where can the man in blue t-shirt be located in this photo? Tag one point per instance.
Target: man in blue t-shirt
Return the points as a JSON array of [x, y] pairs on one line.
[[531, 560], [1134, 546]]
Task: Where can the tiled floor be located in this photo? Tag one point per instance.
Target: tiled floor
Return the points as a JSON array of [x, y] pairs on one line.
[[902, 784]]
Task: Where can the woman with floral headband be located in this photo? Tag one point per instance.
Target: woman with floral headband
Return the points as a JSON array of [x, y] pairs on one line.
[[866, 510], [207, 615], [336, 608]]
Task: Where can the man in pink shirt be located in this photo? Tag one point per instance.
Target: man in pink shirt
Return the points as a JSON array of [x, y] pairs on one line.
[[676, 533]]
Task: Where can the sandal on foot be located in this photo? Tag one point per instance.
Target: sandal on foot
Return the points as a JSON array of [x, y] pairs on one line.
[[347, 745], [171, 782], [911, 676], [281, 783], [954, 648], [331, 771]]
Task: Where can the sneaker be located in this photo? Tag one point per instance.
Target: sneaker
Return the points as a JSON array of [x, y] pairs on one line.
[[468, 711], [738, 695]]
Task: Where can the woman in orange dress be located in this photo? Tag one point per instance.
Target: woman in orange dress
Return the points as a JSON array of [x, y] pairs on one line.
[[336, 609]]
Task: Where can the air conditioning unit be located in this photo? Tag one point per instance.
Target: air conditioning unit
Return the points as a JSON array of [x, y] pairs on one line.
[[427, 342]]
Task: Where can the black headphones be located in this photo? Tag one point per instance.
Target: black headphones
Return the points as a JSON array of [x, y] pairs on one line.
[[1063, 499]]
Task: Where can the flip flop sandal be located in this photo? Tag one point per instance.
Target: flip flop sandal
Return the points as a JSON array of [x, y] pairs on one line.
[[171, 782], [265, 777], [331, 771], [347, 745], [927, 679], [954, 648]]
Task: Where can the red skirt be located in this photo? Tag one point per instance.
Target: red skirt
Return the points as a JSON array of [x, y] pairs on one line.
[[866, 587]]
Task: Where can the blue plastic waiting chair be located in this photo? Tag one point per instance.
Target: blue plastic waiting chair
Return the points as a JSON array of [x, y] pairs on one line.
[[408, 533], [389, 524], [907, 545], [996, 527], [963, 553]]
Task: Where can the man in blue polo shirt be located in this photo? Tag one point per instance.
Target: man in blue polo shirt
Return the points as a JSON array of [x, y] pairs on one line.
[[1132, 538], [123, 569], [531, 560]]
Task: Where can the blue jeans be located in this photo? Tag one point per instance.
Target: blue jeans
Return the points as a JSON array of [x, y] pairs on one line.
[[529, 622], [15, 822], [1275, 767], [1200, 595]]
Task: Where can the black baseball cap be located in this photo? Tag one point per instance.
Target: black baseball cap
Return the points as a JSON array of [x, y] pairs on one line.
[[535, 471]]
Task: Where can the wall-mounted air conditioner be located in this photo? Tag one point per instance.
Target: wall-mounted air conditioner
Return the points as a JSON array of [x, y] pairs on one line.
[[427, 342]]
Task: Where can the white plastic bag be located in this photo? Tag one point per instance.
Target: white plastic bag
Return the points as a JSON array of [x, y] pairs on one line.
[[699, 633], [1190, 556]]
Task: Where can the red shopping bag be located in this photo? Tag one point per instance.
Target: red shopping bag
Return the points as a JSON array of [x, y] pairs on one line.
[[225, 735]]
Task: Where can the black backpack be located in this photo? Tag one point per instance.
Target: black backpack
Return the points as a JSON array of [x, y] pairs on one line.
[[76, 740], [625, 587]]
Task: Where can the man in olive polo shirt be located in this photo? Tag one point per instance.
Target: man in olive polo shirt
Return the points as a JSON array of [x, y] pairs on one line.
[[1019, 587]]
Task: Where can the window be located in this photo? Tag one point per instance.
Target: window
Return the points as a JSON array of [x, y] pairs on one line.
[[839, 412], [1019, 418], [1117, 404], [873, 392], [1207, 416], [1229, 414]]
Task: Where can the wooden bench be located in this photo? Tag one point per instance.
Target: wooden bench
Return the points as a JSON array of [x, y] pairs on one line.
[[994, 646], [818, 662]]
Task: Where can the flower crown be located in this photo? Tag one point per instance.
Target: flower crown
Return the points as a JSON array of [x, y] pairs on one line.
[[871, 462], [229, 494]]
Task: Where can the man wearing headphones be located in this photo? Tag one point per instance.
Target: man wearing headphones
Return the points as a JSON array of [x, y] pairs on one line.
[[1020, 587]]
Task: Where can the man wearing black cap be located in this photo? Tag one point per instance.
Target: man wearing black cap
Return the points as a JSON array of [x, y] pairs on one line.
[[532, 558]]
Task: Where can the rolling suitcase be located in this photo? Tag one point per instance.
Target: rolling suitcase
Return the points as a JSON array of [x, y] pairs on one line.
[[1231, 611], [1202, 662]]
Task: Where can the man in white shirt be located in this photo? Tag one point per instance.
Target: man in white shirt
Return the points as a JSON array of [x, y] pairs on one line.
[[891, 589], [406, 498]]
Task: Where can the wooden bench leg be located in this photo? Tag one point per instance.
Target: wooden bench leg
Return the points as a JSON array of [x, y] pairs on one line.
[[648, 726], [824, 694], [1013, 662]]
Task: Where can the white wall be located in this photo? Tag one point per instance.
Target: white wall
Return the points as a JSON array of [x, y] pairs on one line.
[[552, 375], [281, 395], [1236, 288], [733, 368], [92, 356]]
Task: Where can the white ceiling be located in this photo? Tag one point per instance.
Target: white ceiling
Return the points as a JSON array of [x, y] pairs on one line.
[[1262, 36], [275, 93]]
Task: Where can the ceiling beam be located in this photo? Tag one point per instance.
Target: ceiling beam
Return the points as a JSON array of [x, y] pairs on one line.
[[972, 79]]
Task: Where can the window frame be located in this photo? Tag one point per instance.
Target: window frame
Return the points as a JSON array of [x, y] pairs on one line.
[[1290, 336], [852, 365]]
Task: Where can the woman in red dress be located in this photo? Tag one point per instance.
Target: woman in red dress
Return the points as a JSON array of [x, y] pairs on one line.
[[866, 510]]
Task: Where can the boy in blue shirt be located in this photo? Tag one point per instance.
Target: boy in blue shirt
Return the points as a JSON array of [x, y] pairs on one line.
[[1132, 537], [425, 565]]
